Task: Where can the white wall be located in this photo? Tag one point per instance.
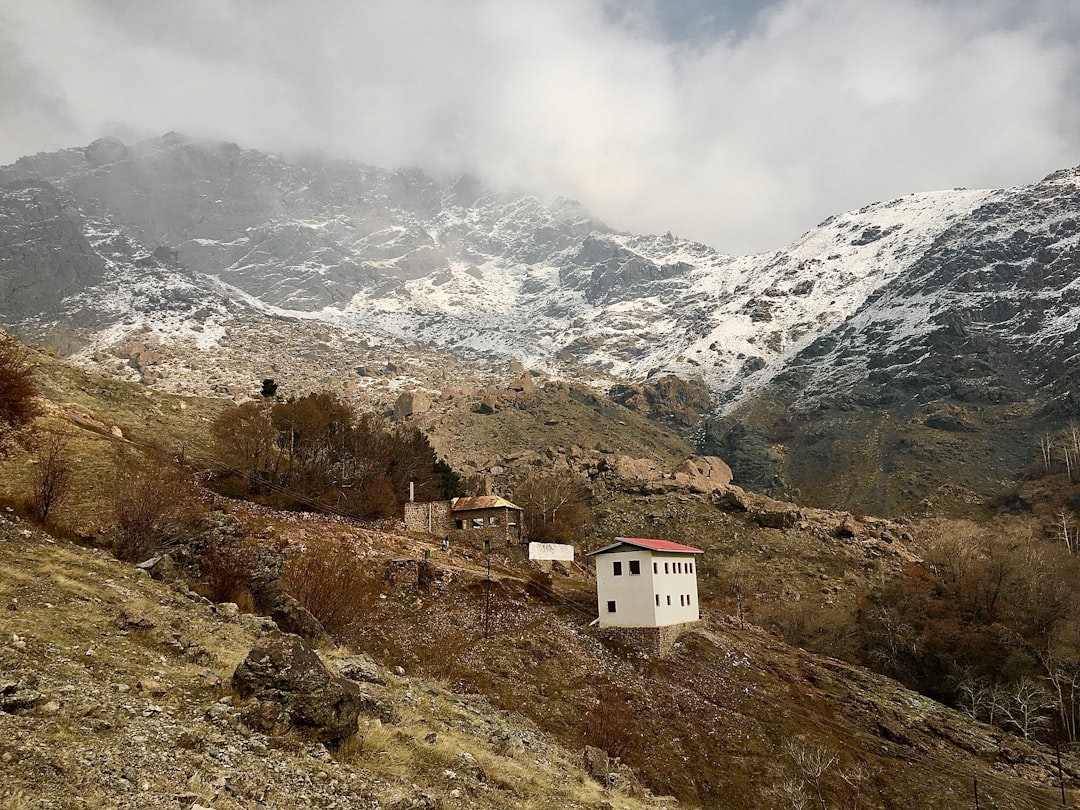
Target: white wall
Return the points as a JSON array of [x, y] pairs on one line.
[[673, 585], [635, 596], [551, 551]]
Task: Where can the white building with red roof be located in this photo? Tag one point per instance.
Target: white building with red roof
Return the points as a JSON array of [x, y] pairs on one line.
[[642, 582]]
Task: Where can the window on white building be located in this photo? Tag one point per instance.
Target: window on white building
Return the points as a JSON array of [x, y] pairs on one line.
[[658, 600], [611, 606], [635, 568], [669, 600], [616, 568]]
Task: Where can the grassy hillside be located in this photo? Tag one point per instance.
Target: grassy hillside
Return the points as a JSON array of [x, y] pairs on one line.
[[509, 671]]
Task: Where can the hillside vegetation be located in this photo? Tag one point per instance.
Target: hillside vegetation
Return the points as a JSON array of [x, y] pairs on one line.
[[117, 687]]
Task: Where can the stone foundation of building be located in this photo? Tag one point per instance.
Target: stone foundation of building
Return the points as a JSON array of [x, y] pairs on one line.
[[653, 641]]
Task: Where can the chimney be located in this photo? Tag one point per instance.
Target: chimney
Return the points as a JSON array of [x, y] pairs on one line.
[[412, 492]]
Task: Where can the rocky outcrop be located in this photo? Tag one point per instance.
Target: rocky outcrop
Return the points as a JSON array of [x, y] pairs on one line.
[[411, 403], [671, 400], [287, 681], [272, 600], [703, 474]]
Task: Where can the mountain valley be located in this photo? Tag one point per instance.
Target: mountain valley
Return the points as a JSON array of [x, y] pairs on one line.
[[871, 433]]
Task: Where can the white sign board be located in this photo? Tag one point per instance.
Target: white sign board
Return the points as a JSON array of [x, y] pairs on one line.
[[551, 551]]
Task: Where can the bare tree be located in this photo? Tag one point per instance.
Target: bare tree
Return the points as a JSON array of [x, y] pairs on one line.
[[1026, 709], [790, 792], [740, 584], [556, 506], [892, 640], [1046, 445], [855, 776], [812, 762], [1063, 678], [981, 698], [51, 475]]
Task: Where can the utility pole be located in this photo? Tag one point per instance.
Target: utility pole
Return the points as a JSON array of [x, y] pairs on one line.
[[976, 792], [487, 587]]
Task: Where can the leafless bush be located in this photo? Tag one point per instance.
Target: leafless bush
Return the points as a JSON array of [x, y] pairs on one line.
[[17, 391], [812, 762], [339, 588], [51, 474], [229, 564], [150, 507], [612, 724]]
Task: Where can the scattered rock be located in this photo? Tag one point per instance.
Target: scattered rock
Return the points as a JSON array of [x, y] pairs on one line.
[[287, 612], [597, 764], [282, 669], [361, 668], [19, 695], [411, 403]]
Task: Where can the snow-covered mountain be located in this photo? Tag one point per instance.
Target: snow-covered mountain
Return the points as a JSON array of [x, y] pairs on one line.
[[966, 296]]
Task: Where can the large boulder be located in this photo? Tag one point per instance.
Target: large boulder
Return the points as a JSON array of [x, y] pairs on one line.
[[636, 469], [272, 600], [411, 403], [284, 672], [704, 474]]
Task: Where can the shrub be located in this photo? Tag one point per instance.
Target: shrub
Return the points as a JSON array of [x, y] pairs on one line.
[[340, 589], [612, 724], [51, 474], [17, 390], [150, 507], [229, 564]]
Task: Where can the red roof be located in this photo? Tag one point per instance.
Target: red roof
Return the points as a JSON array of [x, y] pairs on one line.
[[651, 545]]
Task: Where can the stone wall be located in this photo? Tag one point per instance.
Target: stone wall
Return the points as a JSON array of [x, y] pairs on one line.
[[434, 517], [653, 641]]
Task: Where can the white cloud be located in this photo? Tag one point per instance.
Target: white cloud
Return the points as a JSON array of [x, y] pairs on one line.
[[742, 139]]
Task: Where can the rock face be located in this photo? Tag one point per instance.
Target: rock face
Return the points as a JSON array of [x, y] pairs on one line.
[[288, 679], [44, 252], [943, 374], [669, 399]]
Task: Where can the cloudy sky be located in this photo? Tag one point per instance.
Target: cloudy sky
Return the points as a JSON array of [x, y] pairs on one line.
[[739, 123]]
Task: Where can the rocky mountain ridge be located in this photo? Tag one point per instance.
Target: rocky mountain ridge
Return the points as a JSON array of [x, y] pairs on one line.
[[942, 308]]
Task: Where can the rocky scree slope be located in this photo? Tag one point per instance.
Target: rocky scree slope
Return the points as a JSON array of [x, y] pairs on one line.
[[115, 692]]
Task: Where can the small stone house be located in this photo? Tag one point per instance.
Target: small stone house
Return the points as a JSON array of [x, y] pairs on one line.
[[646, 583], [489, 512], [483, 517]]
